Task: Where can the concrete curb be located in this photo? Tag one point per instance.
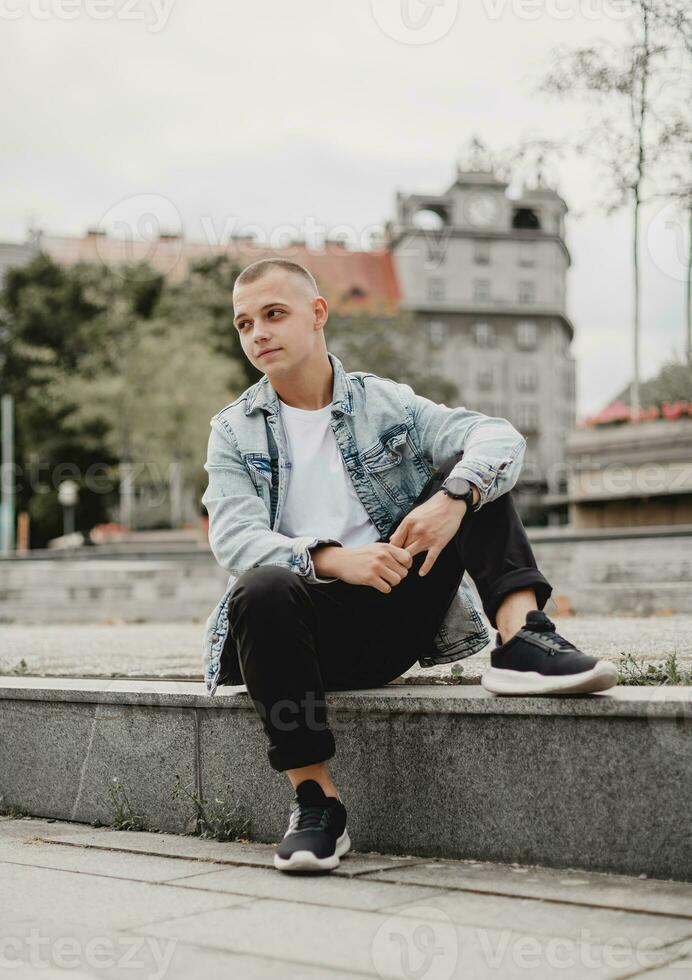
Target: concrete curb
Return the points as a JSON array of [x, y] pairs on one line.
[[594, 782]]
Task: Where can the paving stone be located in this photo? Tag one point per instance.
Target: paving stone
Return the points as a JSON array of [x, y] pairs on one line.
[[577, 887], [308, 927], [112, 864], [46, 895], [123, 954], [339, 891], [534, 916], [20, 827], [391, 945], [29, 842]]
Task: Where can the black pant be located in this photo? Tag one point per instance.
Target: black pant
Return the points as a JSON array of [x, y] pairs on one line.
[[296, 640]]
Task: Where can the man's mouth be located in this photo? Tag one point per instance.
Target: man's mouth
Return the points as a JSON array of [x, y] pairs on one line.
[[271, 350]]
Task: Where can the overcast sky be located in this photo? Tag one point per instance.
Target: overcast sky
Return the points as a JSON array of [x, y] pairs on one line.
[[316, 111]]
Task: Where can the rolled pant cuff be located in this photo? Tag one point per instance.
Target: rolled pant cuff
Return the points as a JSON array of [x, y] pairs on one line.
[[521, 578], [306, 749]]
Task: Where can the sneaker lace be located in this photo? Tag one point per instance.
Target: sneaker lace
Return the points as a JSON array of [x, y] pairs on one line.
[[558, 643], [307, 817]]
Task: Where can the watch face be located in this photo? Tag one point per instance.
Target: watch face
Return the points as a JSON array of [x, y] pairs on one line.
[[458, 486], [482, 210]]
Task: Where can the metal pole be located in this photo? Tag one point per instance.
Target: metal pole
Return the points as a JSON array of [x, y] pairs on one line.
[[7, 506]]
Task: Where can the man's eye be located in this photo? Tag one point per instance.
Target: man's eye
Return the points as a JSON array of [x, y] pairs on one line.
[[275, 311], [241, 325]]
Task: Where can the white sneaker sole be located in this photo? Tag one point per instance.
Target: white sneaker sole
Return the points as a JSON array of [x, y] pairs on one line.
[[307, 861], [500, 681]]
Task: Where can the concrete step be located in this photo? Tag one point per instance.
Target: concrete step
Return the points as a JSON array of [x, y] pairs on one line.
[[597, 782], [606, 598]]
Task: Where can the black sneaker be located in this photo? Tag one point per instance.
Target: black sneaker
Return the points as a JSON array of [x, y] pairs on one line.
[[316, 837], [537, 660]]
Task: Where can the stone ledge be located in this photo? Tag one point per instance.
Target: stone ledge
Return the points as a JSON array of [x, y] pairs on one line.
[[621, 702], [599, 782]]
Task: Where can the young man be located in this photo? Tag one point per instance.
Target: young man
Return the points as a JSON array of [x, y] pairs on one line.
[[347, 509]]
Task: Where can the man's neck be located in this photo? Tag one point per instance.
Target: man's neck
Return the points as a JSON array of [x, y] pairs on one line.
[[311, 390]]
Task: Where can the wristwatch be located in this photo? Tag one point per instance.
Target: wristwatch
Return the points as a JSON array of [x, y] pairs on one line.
[[458, 488]]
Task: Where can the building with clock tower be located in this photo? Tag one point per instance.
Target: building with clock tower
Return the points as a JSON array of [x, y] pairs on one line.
[[485, 275]]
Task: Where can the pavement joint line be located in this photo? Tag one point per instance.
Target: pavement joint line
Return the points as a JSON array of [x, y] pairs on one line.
[[335, 971], [649, 969], [366, 875], [93, 874], [552, 901], [341, 872]]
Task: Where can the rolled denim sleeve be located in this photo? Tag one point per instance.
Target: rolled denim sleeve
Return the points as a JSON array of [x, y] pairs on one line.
[[493, 448], [239, 533]]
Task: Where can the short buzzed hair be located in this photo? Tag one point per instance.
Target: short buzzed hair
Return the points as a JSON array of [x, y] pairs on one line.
[[256, 270]]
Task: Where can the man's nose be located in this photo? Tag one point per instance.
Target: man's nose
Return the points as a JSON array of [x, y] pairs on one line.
[[261, 335]]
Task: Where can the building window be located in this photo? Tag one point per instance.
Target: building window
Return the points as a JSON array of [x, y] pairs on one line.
[[481, 251], [436, 289], [527, 253], [525, 218], [527, 418], [484, 379], [437, 332], [527, 292], [483, 335], [527, 335], [481, 290], [527, 380], [436, 243]]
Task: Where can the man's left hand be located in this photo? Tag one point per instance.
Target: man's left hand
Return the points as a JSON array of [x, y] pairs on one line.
[[430, 527]]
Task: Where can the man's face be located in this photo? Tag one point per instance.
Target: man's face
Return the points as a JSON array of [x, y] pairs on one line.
[[276, 319]]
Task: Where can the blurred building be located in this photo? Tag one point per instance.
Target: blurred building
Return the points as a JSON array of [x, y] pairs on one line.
[[486, 276], [632, 474]]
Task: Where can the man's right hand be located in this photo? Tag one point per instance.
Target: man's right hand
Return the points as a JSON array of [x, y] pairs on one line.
[[380, 565]]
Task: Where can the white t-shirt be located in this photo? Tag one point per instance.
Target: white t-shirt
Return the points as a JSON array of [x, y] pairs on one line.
[[321, 500]]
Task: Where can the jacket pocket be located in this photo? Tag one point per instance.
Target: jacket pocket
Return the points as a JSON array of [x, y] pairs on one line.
[[394, 464], [392, 449], [259, 466]]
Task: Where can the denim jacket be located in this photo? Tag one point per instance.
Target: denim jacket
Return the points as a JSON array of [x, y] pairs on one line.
[[391, 440]]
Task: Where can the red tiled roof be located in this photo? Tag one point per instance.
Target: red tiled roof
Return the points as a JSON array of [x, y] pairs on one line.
[[349, 280]]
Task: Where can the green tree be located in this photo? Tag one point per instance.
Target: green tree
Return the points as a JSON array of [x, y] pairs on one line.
[[672, 383], [627, 88], [48, 316]]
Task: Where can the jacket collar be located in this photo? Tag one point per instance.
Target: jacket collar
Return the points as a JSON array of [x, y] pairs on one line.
[[263, 396]]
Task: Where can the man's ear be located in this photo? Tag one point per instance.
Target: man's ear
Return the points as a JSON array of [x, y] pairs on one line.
[[321, 311]]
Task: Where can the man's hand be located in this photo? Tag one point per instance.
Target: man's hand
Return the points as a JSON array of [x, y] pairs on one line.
[[430, 527], [380, 565]]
